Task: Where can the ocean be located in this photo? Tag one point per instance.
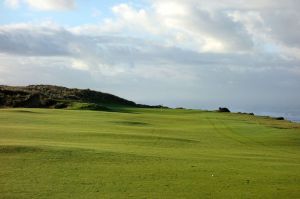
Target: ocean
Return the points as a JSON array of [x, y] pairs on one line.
[[292, 115]]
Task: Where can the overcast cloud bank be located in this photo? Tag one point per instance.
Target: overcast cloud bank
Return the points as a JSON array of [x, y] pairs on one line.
[[199, 54]]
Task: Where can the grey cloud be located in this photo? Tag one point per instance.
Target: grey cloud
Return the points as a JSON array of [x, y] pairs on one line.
[[284, 25], [120, 50], [20, 70], [34, 41], [220, 26], [279, 22], [151, 72]]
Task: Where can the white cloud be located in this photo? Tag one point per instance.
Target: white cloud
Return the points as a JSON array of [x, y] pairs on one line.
[[170, 8], [44, 5], [12, 3], [51, 4], [79, 65]]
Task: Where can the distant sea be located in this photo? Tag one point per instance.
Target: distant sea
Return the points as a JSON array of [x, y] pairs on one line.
[[292, 116]]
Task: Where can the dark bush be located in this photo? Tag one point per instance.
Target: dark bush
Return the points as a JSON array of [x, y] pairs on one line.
[[60, 105], [279, 118], [48, 102], [224, 110]]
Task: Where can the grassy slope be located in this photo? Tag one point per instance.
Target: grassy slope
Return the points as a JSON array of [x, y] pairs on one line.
[[146, 154]]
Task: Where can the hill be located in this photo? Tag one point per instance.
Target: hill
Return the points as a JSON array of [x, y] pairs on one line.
[[49, 96], [146, 153]]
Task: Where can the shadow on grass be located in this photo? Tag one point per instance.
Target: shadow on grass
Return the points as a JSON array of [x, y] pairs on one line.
[[26, 111], [19, 149], [130, 123], [16, 110], [102, 107]]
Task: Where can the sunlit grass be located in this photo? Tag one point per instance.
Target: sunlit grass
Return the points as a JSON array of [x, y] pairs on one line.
[[146, 153]]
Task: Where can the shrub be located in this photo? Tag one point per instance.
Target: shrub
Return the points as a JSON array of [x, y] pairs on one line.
[[224, 110]]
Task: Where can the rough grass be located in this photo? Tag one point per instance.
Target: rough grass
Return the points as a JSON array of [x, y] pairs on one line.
[[146, 153]]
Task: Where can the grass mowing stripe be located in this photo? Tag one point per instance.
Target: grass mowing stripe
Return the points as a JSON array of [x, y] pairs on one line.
[[146, 153]]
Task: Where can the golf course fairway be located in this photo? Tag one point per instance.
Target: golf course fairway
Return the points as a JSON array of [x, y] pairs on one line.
[[147, 153]]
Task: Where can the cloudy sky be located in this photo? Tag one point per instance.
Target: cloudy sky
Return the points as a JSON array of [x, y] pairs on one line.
[[193, 53]]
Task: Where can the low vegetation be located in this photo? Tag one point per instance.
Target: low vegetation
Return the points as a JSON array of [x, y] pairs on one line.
[[146, 153]]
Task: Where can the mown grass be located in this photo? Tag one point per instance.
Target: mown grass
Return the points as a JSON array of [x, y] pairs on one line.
[[146, 153]]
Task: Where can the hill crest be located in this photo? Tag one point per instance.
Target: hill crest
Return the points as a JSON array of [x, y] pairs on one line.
[[51, 96]]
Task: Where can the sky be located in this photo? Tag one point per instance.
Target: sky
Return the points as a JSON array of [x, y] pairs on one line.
[[241, 54]]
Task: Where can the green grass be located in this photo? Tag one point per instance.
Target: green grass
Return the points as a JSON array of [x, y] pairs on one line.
[[87, 106], [146, 153]]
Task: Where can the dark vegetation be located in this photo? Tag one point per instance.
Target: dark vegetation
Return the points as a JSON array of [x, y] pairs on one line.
[[48, 96], [223, 110], [246, 113]]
